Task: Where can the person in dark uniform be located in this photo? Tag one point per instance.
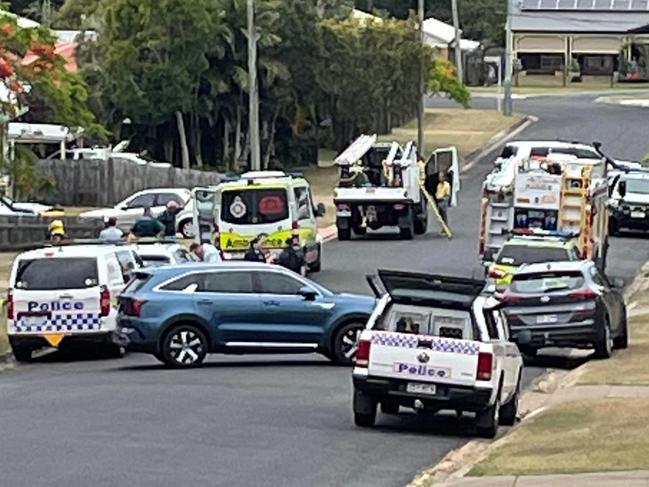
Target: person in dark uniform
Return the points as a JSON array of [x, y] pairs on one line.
[[292, 257], [168, 218], [255, 253]]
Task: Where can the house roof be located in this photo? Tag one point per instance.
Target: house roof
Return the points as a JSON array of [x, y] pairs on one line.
[[528, 17], [436, 32]]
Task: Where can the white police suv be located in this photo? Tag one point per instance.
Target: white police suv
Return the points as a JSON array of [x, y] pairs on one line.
[[67, 294]]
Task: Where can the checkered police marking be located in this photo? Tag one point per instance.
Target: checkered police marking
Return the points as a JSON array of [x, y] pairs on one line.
[[436, 344], [79, 322]]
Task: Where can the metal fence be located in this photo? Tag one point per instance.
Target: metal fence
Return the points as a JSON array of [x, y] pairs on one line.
[[86, 182]]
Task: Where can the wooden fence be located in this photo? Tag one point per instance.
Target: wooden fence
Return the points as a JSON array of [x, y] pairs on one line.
[[86, 182]]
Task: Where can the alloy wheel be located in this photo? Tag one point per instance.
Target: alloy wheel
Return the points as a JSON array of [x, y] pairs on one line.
[[186, 347]]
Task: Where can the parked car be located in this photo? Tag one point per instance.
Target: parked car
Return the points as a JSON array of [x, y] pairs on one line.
[[629, 202], [566, 304], [436, 342], [28, 208], [536, 247], [62, 295], [181, 313], [154, 254], [130, 209]]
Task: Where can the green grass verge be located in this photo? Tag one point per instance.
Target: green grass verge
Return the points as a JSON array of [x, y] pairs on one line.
[[584, 436]]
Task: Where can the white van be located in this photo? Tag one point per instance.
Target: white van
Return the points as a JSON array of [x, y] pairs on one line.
[[60, 295]]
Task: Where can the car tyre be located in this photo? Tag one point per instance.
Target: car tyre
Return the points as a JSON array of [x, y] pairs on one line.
[[407, 233], [115, 351], [364, 410], [509, 410], [344, 234], [360, 231], [345, 343], [487, 421], [604, 346], [421, 221], [186, 229], [22, 354], [621, 342], [184, 346]]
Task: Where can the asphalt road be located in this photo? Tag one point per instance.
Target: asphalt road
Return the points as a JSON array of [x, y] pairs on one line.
[[269, 421]]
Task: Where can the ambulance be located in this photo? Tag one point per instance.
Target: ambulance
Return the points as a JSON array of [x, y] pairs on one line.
[[272, 205], [67, 295], [557, 193]]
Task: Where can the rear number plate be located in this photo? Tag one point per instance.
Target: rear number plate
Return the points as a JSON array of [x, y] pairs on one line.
[[33, 320], [547, 319], [419, 388], [637, 214]]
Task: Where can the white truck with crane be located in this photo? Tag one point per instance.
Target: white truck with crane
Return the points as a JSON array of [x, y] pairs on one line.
[[381, 185]]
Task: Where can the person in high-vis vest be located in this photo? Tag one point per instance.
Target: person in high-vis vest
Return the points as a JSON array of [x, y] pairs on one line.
[[443, 197]]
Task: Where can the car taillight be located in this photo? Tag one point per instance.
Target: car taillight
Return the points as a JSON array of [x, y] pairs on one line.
[[134, 307], [399, 206], [104, 301], [342, 207], [295, 225], [583, 294], [363, 353], [485, 366], [10, 305]]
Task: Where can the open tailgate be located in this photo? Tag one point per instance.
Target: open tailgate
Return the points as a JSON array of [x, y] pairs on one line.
[[420, 358], [428, 289]]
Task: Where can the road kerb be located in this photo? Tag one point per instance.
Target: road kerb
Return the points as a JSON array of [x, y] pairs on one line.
[[497, 140]]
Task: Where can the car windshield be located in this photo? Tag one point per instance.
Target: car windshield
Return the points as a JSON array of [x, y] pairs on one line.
[[56, 273], [546, 282], [579, 153], [516, 255], [254, 206], [637, 186]]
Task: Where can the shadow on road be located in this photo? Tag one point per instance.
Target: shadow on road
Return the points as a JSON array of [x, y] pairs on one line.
[[240, 365], [562, 359], [426, 424]]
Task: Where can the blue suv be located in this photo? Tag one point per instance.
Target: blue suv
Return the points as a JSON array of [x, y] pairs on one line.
[[181, 313]]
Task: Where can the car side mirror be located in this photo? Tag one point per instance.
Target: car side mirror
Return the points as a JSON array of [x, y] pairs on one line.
[[307, 293], [320, 210], [523, 338], [621, 188]]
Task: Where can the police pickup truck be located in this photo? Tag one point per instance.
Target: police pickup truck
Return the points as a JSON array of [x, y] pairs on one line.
[[436, 343]]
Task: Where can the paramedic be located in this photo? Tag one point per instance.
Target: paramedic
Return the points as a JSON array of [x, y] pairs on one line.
[[168, 218], [206, 253], [147, 226]]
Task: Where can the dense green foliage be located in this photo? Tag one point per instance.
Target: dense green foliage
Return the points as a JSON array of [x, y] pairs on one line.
[[172, 76]]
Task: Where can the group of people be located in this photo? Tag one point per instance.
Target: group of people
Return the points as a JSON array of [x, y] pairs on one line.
[[145, 226]]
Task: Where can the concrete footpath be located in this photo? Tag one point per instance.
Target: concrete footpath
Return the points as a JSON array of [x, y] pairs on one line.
[[634, 478]]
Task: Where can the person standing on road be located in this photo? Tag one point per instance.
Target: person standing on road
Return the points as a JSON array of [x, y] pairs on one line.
[[292, 257], [442, 197], [168, 218], [111, 234], [206, 252], [255, 253], [147, 226]]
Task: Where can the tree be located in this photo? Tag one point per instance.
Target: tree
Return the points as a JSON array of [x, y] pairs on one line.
[[32, 76], [156, 54]]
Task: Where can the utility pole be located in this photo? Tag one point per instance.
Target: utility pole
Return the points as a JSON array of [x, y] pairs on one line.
[[422, 82], [458, 51], [507, 84], [253, 89]]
